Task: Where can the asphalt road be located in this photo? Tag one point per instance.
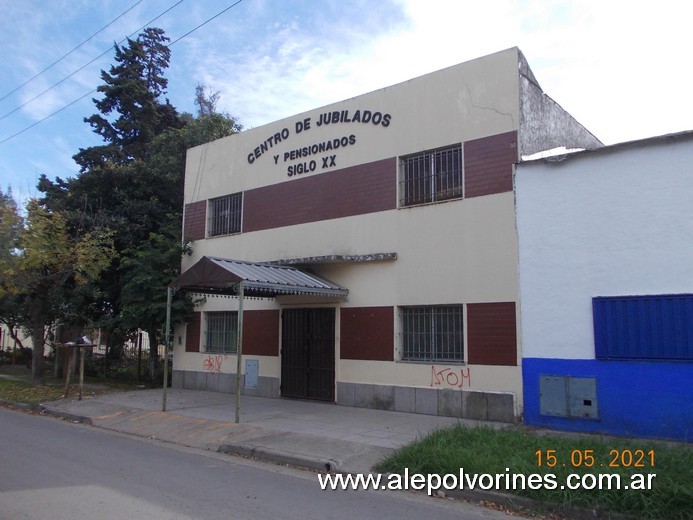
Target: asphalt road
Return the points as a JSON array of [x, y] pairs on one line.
[[54, 469]]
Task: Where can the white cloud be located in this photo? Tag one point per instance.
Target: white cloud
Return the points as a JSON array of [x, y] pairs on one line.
[[620, 67], [616, 66]]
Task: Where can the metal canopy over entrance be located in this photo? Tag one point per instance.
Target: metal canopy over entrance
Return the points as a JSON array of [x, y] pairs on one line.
[[212, 275]]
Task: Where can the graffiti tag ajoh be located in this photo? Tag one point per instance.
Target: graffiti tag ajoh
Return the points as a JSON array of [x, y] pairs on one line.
[[457, 377]]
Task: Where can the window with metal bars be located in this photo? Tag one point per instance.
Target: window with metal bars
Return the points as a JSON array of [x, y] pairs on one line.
[[222, 332], [225, 215], [431, 176], [432, 333]]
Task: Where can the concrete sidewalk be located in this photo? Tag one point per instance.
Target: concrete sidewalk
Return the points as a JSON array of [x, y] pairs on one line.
[[308, 434]]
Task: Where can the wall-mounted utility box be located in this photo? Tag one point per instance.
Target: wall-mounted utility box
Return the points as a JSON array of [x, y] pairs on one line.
[[252, 369], [567, 396]]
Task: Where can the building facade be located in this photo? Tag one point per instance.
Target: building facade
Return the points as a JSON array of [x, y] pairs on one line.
[[606, 286], [403, 198]]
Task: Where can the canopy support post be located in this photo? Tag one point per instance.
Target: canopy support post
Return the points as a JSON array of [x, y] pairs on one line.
[[239, 351]]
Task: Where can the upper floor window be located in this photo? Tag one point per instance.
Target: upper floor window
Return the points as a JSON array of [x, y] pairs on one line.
[[431, 176], [225, 215]]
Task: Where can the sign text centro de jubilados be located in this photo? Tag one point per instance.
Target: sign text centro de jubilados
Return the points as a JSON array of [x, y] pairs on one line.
[[310, 164]]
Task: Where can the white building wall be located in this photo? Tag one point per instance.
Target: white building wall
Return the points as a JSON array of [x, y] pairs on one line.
[[608, 223], [615, 222]]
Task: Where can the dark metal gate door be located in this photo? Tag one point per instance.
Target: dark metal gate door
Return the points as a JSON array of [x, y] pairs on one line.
[[308, 353]]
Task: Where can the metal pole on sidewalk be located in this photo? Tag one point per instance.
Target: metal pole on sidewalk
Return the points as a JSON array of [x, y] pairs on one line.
[[167, 340], [70, 368], [239, 351], [81, 371]]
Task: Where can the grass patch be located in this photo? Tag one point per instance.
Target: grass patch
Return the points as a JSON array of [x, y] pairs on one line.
[[16, 387], [514, 452], [22, 392]]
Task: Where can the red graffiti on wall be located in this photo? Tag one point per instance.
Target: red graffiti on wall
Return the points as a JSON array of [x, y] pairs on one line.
[[452, 377], [212, 363]]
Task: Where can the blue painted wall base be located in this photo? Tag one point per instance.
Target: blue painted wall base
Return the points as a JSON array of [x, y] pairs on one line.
[[636, 399]]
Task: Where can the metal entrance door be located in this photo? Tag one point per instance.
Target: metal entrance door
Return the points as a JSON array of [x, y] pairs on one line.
[[308, 353]]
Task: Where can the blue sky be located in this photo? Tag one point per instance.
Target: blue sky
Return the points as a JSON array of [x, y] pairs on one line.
[[622, 68]]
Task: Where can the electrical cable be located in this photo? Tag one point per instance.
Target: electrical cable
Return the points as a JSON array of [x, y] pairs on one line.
[[48, 116], [73, 50], [86, 64], [204, 23], [94, 90]]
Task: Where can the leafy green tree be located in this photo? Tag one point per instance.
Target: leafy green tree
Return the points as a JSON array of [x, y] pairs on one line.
[[133, 185], [147, 270], [149, 266], [11, 224], [206, 100], [44, 268], [11, 227]]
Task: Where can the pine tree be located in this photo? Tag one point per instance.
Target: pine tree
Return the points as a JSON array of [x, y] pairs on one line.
[[133, 90]]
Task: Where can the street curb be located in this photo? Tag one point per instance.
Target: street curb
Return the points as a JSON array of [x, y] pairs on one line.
[[520, 504], [280, 457], [529, 504], [65, 415], [21, 406], [325, 465], [514, 502]]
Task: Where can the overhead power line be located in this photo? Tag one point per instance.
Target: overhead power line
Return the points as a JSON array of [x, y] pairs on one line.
[[94, 90], [48, 116], [85, 65], [204, 23], [32, 78]]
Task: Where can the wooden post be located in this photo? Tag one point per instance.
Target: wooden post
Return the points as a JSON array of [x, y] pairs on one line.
[[81, 371], [69, 371]]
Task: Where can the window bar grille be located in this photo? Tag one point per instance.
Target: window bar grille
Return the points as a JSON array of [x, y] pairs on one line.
[[432, 176], [432, 333], [222, 331], [225, 215]]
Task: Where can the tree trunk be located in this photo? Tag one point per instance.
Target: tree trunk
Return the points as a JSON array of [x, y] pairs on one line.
[[153, 354], [38, 317], [37, 366], [15, 337]]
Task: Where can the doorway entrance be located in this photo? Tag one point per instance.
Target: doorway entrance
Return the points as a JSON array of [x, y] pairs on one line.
[[308, 353]]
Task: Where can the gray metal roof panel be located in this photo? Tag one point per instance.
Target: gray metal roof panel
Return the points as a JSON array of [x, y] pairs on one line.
[[270, 279]]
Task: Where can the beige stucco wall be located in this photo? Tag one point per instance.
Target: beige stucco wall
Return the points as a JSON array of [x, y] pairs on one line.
[[434, 375], [462, 251], [471, 257], [467, 101], [465, 250]]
